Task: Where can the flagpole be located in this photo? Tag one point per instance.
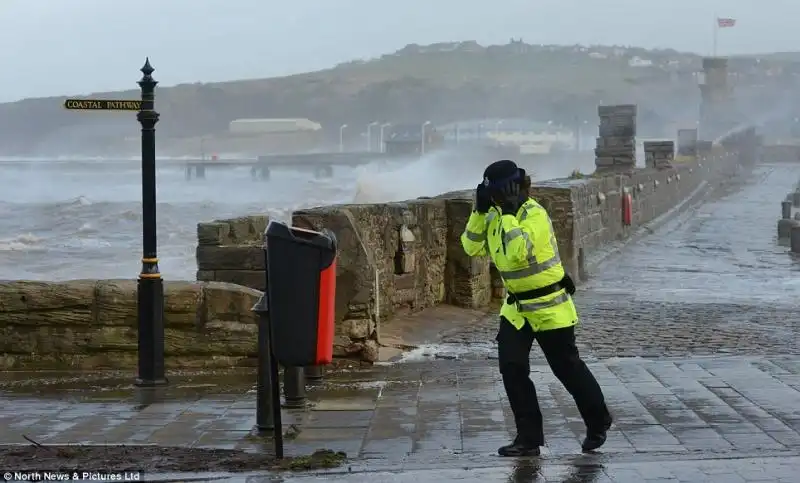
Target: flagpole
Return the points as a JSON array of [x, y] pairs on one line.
[[715, 35]]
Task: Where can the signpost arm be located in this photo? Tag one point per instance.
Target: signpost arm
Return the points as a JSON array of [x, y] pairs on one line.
[[150, 286]]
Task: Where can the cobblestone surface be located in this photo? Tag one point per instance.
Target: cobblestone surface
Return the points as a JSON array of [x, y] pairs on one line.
[[712, 281]]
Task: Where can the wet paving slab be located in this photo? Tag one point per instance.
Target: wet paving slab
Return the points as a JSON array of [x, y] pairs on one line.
[[577, 469], [581, 469], [453, 414]]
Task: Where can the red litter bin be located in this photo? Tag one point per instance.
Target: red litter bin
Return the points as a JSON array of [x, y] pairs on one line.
[[301, 274]]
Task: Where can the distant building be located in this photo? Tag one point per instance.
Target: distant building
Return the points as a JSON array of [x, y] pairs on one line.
[[272, 126], [407, 139], [637, 61]]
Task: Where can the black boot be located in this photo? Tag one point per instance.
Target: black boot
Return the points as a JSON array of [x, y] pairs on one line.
[[596, 438], [519, 448]]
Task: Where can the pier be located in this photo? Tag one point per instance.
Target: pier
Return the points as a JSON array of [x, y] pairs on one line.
[[321, 164]]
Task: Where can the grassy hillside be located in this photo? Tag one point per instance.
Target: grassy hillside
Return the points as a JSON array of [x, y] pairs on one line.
[[442, 82]]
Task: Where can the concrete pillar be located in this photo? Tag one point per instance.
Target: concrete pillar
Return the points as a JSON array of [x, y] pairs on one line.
[[616, 141], [786, 210], [794, 238], [659, 154]]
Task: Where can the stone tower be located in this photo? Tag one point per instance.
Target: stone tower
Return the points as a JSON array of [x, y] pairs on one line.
[[714, 98]]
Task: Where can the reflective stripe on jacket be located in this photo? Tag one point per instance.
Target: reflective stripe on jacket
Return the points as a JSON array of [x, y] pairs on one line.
[[525, 251]]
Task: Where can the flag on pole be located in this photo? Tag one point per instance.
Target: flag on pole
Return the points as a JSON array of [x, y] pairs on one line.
[[726, 22]]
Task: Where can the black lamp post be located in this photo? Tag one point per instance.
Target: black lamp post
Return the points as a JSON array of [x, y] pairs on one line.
[[151, 286]]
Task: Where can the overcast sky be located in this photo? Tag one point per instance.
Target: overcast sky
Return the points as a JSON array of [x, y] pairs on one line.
[[57, 47]]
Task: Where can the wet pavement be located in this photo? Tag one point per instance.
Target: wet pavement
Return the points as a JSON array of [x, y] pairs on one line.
[[692, 330], [583, 469], [452, 415], [712, 281]]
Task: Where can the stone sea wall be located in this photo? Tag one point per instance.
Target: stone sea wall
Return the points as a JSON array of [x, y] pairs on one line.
[[396, 258], [91, 324]]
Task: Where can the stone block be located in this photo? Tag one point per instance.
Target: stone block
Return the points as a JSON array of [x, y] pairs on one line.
[[230, 257], [116, 302], [228, 302], [617, 142], [227, 339], [255, 279], [68, 316], [113, 338], [246, 230], [617, 110], [213, 233], [182, 304], [616, 130], [358, 328], [370, 351], [26, 296], [206, 276], [18, 339]]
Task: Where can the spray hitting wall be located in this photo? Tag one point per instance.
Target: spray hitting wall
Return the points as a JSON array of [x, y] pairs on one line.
[[432, 174], [444, 171]]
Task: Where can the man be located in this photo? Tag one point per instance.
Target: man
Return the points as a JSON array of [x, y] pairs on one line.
[[516, 232]]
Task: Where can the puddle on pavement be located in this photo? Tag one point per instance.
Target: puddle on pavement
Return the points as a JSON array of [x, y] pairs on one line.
[[447, 351], [118, 386], [343, 394], [98, 387]]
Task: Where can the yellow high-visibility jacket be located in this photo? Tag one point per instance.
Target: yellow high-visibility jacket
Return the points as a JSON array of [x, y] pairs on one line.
[[523, 247]]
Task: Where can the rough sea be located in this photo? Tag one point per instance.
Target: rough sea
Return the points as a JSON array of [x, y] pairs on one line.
[[72, 218]]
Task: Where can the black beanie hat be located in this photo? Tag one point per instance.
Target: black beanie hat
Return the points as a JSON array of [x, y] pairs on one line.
[[500, 171]]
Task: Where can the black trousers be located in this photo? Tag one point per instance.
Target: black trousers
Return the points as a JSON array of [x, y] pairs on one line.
[[558, 346]]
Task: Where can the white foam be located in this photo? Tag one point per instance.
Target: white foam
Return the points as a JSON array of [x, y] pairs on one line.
[[25, 242], [427, 352], [430, 175]]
